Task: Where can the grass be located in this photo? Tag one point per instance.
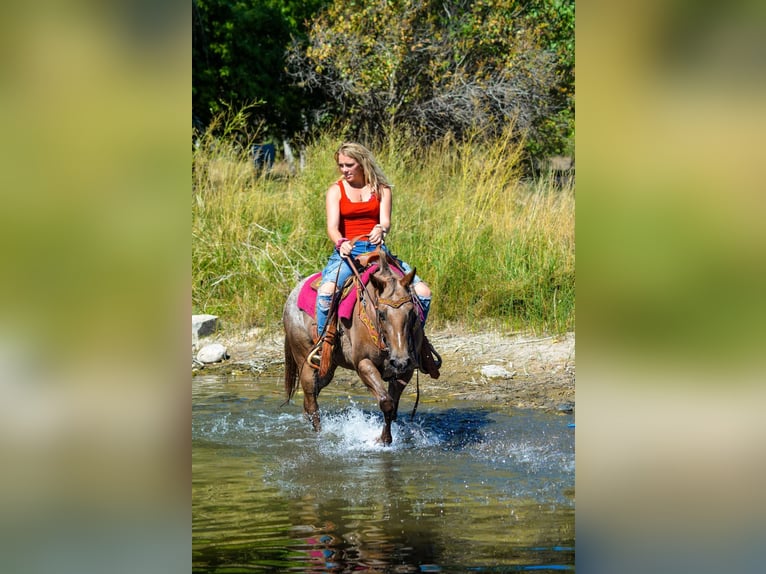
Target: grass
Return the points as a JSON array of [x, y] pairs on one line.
[[497, 251]]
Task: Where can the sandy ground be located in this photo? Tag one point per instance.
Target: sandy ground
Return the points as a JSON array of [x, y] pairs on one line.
[[519, 370]]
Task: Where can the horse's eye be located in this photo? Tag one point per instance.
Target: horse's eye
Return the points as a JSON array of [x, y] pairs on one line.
[[381, 316]]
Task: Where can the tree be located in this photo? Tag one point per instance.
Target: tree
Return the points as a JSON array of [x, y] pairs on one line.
[[238, 49], [554, 22], [433, 67]]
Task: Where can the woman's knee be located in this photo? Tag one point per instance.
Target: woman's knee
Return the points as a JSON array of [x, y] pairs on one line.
[[327, 288], [422, 289]]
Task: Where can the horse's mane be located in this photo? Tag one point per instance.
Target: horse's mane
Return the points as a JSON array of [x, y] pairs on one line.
[[385, 280]]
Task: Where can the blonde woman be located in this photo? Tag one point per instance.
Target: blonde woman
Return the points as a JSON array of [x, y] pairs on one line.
[[358, 205]]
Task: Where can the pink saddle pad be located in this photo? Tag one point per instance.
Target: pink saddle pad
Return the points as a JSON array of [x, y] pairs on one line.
[[307, 298]]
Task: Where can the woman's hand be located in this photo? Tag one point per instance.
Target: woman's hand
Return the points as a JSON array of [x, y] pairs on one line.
[[344, 247], [377, 235]]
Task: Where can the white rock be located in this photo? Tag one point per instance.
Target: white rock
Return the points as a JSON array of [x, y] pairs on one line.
[[203, 325], [212, 353], [495, 372]]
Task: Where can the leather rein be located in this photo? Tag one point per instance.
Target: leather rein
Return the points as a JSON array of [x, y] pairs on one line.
[[374, 329]]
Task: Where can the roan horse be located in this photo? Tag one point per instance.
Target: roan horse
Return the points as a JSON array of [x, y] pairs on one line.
[[380, 342]]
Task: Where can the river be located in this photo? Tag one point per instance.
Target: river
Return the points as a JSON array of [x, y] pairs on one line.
[[465, 486]]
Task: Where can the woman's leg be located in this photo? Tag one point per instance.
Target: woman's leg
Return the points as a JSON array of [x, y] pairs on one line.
[[334, 274], [423, 292], [338, 271], [324, 299], [430, 361]]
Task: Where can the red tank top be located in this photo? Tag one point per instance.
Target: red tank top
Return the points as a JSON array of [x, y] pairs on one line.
[[357, 217]]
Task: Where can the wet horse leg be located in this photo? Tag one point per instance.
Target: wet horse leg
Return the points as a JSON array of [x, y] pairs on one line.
[[395, 389], [388, 406], [373, 381], [310, 393]]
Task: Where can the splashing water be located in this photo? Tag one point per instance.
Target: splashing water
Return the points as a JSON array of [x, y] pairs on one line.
[[354, 430]]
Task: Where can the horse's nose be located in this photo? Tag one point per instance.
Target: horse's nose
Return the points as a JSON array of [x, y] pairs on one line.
[[401, 365]]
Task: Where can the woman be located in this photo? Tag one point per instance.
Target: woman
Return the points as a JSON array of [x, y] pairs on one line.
[[359, 205]]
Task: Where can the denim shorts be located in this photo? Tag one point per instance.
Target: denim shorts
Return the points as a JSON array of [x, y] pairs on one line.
[[333, 274]]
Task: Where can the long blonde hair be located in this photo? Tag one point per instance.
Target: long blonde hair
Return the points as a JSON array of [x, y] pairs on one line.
[[373, 175]]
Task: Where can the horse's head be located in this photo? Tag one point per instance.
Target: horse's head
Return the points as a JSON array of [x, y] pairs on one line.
[[396, 319]]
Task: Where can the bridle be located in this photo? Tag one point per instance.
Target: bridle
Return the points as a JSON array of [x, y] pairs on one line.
[[374, 330], [377, 302], [394, 303]]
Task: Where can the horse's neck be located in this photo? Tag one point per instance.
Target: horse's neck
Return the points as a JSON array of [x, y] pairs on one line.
[[364, 326]]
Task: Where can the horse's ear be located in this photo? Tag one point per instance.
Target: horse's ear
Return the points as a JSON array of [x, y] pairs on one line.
[[407, 279]]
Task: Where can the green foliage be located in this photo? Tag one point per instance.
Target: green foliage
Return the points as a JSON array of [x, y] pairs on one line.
[[424, 66], [298, 13], [239, 58], [495, 251], [444, 67], [554, 22]]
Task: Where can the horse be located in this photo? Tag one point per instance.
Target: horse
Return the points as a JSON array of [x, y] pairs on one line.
[[380, 341]]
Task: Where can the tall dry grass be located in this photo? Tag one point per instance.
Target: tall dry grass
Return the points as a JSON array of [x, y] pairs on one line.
[[496, 250]]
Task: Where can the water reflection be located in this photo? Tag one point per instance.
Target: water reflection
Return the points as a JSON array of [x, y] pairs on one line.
[[464, 487]]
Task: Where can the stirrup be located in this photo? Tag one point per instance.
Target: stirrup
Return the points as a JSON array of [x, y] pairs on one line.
[[314, 357]]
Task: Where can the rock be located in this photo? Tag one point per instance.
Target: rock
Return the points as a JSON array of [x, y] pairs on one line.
[[496, 372], [203, 325], [213, 353]]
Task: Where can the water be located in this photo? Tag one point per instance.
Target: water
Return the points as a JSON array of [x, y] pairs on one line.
[[465, 487]]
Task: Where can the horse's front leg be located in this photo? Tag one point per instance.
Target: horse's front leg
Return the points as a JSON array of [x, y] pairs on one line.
[[395, 389], [310, 393], [371, 378]]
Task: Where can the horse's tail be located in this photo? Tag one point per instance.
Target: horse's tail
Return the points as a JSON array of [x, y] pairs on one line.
[[291, 373]]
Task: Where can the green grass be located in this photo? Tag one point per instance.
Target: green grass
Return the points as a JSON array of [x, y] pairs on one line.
[[497, 251]]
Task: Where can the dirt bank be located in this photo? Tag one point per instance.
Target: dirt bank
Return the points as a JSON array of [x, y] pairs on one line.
[[519, 370]]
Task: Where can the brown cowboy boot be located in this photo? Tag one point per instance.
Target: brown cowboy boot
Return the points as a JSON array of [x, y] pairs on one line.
[[430, 361], [320, 356], [328, 344]]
